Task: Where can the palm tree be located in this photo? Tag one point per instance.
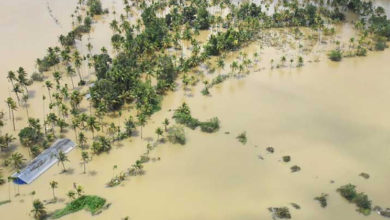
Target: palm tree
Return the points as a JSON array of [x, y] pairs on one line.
[[159, 132], [53, 185], [71, 194], [77, 64], [38, 210], [11, 107], [17, 160], [62, 158], [12, 78], [85, 158], [70, 72], [93, 125], [22, 78], [79, 190], [141, 121], [220, 64], [5, 141], [49, 86], [82, 139], [166, 123]]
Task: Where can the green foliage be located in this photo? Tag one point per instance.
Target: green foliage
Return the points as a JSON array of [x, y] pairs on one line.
[[322, 199], [51, 59], [348, 192], [90, 203], [360, 199], [176, 134], [380, 44], [335, 55], [203, 18], [242, 138], [95, 7], [183, 116], [37, 77], [101, 145], [225, 41], [210, 126]]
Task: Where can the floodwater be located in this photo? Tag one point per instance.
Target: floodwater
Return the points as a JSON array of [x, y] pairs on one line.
[[331, 118]]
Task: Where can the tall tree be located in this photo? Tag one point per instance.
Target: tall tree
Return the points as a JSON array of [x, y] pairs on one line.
[[39, 210], [53, 185], [11, 107], [62, 158]]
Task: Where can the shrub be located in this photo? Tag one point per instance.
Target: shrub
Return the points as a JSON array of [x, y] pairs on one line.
[[242, 138], [335, 55], [380, 45], [210, 126], [176, 135], [95, 7], [361, 51], [37, 77], [183, 116], [361, 200], [322, 199], [347, 191], [90, 203]]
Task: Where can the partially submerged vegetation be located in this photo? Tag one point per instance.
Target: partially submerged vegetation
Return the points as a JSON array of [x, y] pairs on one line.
[[242, 138], [92, 204], [183, 116], [322, 199], [359, 199]]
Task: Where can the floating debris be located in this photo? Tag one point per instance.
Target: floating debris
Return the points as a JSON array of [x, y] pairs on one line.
[[295, 168], [295, 206], [270, 149], [365, 175], [286, 159], [280, 213], [382, 212]]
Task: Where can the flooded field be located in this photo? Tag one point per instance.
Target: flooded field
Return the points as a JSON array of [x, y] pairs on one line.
[[331, 118]]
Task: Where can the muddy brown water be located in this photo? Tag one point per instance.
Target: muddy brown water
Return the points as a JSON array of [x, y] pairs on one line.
[[331, 118]]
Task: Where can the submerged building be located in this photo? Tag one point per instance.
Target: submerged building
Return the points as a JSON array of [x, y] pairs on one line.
[[43, 162]]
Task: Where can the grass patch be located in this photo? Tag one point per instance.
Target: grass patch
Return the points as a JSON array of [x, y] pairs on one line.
[[90, 203]]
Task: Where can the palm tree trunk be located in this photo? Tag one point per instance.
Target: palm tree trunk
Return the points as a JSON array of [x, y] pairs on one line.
[[13, 119]]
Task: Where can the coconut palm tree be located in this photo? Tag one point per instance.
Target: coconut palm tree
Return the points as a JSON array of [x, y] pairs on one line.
[[39, 211], [93, 125], [141, 121], [71, 194], [159, 132], [77, 64], [53, 185], [82, 139], [70, 72], [5, 141], [165, 123], [85, 158], [49, 86], [79, 190], [17, 160], [11, 107], [62, 158]]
